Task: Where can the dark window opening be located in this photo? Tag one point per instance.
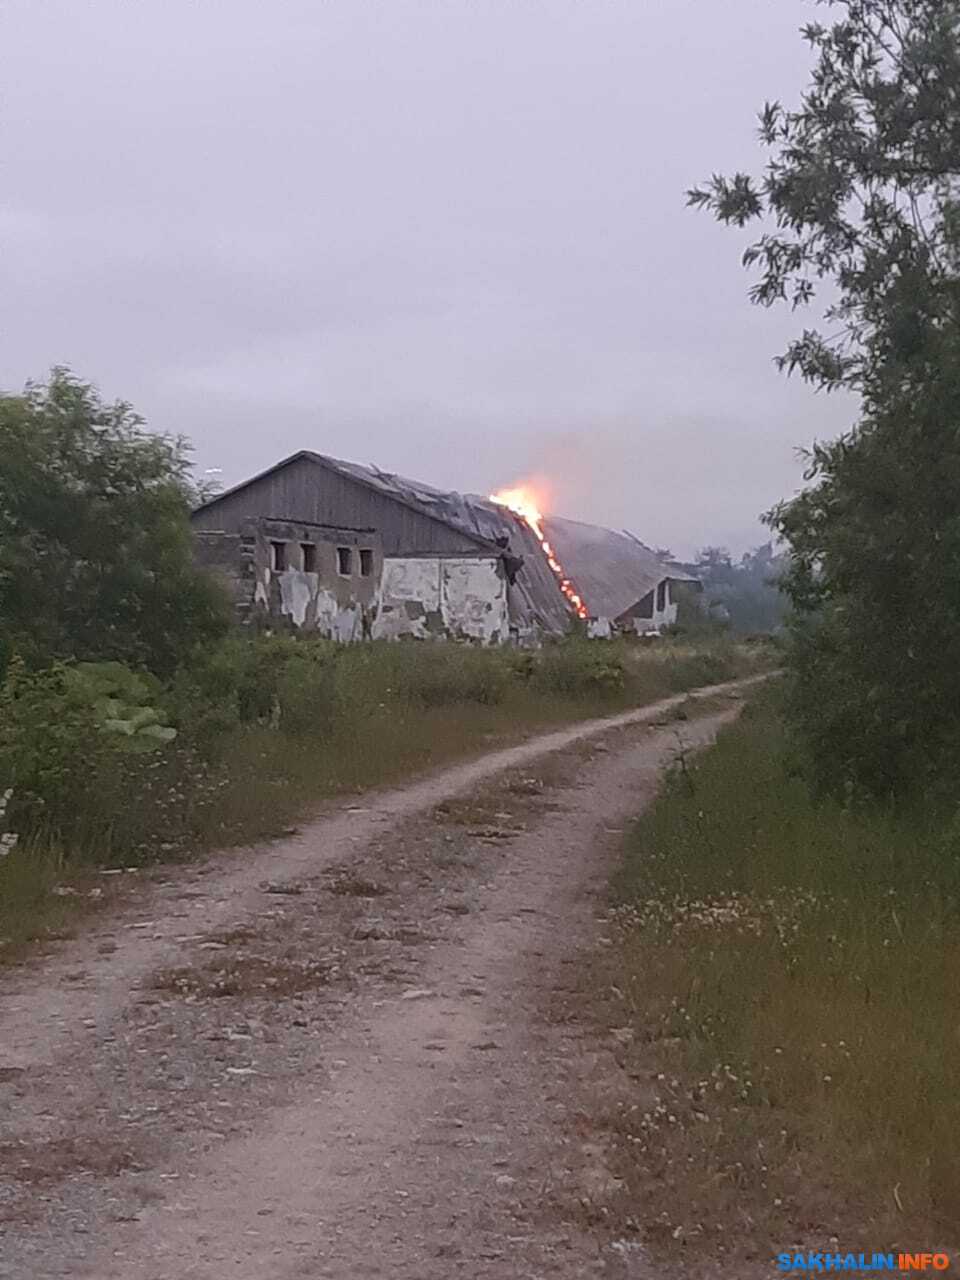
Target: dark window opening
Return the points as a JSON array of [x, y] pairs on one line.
[[366, 562], [661, 597], [645, 607], [344, 561], [308, 551], [278, 556]]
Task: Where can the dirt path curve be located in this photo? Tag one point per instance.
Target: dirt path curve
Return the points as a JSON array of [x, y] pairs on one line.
[[331, 1057]]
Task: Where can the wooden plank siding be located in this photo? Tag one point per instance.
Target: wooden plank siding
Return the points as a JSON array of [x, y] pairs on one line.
[[304, 489]]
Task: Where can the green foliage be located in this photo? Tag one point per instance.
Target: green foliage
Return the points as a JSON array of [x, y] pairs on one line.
[[51, 743], [306, 686], [63, 732], [447, 674], [860, 189], [237, 681], [580, 668], [48, 742], [712, 665], [118, 697], [740, 593], [95, 546], [309, 693], [106, 764]]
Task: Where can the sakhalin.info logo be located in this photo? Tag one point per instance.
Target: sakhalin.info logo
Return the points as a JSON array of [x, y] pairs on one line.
[[862, 1263]]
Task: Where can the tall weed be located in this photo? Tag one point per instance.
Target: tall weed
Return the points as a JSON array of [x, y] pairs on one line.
[[266, 727]]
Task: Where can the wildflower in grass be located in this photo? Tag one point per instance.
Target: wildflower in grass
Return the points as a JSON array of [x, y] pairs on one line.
[[8, 839]]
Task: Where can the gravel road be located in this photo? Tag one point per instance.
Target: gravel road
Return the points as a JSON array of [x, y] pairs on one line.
[[338, 1055]]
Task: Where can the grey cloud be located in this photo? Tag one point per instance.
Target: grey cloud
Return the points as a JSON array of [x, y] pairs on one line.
[[442, 235]]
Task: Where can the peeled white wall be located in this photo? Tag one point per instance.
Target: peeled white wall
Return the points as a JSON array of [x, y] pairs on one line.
[[437, 597]]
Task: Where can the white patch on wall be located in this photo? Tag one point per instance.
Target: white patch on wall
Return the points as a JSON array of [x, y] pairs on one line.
[[474, 600], [309, 605], [432, 597], [652, 626], [338, 621], [599, 629], [297, 589]]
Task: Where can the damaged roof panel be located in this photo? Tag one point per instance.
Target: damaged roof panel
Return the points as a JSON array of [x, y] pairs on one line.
[[535, 597], [612, 571]]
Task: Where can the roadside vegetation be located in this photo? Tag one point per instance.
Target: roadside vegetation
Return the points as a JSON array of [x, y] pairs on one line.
[[857, 203], [104, 766], [784, 984]]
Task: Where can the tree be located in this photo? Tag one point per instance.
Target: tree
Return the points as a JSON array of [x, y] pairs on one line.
[[860, 191], [860, 194], [95, 544], [745, 591]]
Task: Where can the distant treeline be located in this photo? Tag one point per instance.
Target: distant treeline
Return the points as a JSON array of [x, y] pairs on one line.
[[741, 593]]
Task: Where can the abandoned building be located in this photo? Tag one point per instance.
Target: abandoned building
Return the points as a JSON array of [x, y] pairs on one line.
[[625, 586], [355, 553]]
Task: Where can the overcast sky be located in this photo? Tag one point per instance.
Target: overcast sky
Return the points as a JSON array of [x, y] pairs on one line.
[[444, 236]]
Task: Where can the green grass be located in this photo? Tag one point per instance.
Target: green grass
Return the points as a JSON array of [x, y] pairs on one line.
[[41, 899], [794, 969], [271, 730]]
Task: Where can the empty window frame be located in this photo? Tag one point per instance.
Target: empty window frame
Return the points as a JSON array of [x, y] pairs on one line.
[[366, 562], [278, 556], [662, 596], [308, 557], [345, 561]]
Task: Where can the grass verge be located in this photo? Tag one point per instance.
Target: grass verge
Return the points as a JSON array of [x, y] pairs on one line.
[[268, 735], [784, 987]]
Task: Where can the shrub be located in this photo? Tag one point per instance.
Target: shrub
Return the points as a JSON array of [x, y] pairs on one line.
[[96, 553], [696, 669], [119, 697], [204, 695], [261, 724], [580, 668], [442, 675], [307, 692], [240, 681], [64, 732]]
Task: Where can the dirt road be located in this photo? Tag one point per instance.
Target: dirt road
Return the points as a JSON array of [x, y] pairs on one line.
[[340, 1055]]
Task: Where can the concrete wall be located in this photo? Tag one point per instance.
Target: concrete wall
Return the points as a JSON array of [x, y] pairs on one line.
[[307, 590], [443, 597], [422, 597], [313, 593], [229, 557]]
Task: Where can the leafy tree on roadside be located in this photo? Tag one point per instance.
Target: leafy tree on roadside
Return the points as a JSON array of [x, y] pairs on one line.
[[860, 196], [95, 544]]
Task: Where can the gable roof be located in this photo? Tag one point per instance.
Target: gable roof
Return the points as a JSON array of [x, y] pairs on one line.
[[612, 571], [418, 497]]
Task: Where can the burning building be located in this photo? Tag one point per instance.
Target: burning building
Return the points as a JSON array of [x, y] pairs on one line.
[[353, 552]]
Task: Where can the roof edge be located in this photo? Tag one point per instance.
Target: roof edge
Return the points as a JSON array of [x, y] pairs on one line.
[[245, 484], [330, 464]]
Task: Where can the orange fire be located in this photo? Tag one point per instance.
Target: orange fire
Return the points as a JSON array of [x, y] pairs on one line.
[[523, 502]]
